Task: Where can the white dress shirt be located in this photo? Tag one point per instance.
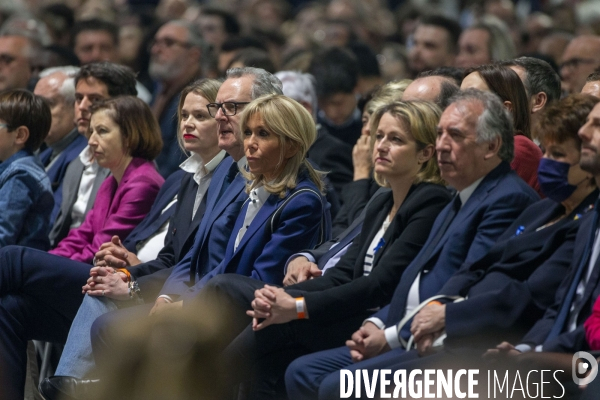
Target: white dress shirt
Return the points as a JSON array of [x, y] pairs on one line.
[[90, 171]]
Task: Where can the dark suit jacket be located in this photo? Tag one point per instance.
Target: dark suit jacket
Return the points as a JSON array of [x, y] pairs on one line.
[[222, 208], [171, 154], [71, 182], [57, 172], [515, 282], [151, 275], [499, 198], [334, 157], [569, 341], [344, 290], [354, 198], [267, 244]]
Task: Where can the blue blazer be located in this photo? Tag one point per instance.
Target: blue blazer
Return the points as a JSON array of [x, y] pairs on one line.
[[56, 173], [494, 205], [223, 204], [511, 287], [269, 241], [569, 342]]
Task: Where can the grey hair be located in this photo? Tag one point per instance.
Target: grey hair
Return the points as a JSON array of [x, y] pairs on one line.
[[195, 38], [494, 122], [264, 82], [300, 87], [67, 89]]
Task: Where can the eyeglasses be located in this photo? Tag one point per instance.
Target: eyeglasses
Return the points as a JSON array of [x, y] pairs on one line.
[[576, 62], [6, 59], [168, 43], [229, 108]]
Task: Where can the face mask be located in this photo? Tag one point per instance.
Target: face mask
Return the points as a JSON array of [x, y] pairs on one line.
[[553, 177]]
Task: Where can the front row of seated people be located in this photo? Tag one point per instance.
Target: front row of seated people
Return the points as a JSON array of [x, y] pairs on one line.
[[493, 242]]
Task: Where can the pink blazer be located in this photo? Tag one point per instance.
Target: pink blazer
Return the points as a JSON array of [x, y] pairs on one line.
[[116, 211]]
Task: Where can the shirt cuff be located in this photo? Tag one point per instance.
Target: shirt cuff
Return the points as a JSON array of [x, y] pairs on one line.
[[374, 320], [307, 255], [166, 297], [391, 336], [523, 348]]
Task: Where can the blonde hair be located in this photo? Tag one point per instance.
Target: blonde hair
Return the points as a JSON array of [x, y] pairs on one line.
[[420, 118], [292, 124], [206, 88], [391, 91]]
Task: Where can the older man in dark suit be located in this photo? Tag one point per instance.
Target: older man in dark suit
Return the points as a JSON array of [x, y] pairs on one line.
[[474, 148]]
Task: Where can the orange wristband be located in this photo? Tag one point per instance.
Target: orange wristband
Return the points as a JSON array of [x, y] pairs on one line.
[[434, 303], [124, 270], [300, 307]]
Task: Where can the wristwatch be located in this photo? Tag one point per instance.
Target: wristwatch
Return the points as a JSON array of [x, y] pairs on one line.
[[134, 290]]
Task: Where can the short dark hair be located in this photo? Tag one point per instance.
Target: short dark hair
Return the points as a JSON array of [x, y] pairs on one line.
[[253, 57], [449, 25], [367, 60], [453, 73], [230, 22], [119, 80], [447, 90], [594, 76], [335, 70], [540, 76], [95, 24], [139, 127], [22, 108]]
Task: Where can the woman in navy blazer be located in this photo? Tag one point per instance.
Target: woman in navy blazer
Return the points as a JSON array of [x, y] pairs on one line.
[[293, 213], [397, 224]]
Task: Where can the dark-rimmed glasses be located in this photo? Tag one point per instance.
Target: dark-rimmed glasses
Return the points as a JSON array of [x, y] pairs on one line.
[[229, 108]]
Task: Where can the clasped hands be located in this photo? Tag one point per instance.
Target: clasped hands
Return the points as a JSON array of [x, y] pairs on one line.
[[271, 305], [369, 341], [104, 279]]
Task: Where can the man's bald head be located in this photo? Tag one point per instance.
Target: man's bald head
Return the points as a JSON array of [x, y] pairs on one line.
[[437, 89]]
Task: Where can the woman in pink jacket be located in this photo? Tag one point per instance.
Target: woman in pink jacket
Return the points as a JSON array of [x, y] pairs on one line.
[[124, 138]]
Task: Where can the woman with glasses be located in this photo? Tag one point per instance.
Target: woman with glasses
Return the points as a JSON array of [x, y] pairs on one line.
[[26, 197]]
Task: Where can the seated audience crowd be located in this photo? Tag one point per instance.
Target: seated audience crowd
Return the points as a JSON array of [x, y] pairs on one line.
[[239, 200]]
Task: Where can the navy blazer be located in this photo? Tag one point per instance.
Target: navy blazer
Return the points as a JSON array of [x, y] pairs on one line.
[[268, 243], [494, 205], [57, 171], [511, 287], [156, 217], [569, 342], [344, 290], [223, 205]]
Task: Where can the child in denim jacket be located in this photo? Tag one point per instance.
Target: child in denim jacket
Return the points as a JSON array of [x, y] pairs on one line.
[[26, 198]]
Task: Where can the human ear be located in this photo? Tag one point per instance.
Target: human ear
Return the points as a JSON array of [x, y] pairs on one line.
[[538, 102], [493, 148], [22, 135], [426, 153]]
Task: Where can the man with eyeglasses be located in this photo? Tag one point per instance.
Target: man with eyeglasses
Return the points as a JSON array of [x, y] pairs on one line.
[[175, 60], [15, 55], [579, 59]]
